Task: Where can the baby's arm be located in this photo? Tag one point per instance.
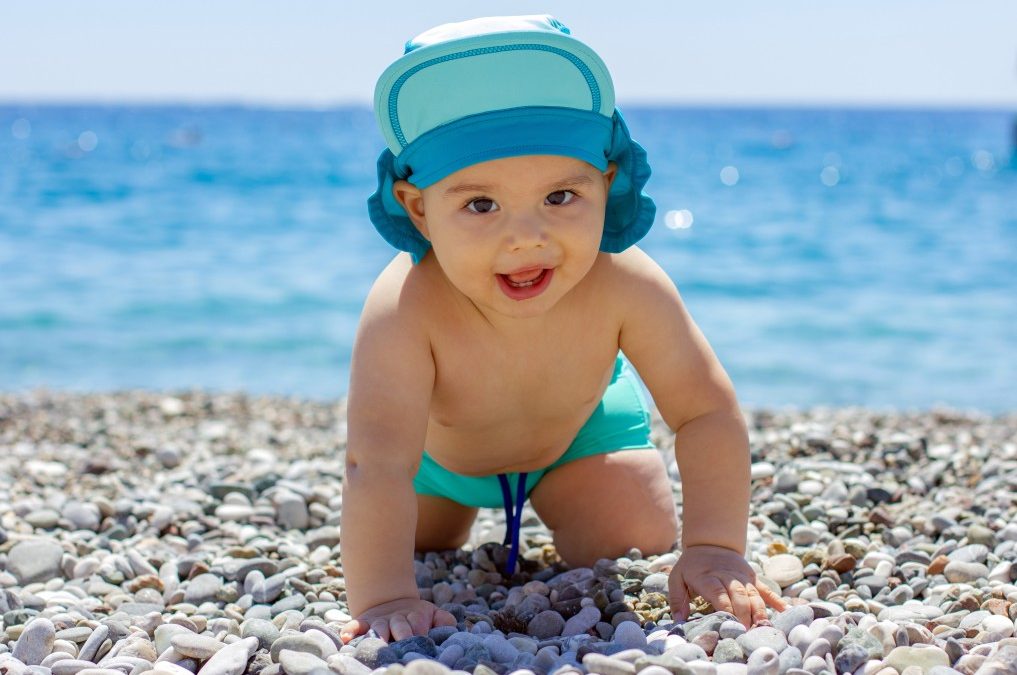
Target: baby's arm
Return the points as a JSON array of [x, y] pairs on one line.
[[391, 378], [696, 399]]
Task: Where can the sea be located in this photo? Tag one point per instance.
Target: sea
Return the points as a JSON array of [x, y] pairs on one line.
[[832, 257]]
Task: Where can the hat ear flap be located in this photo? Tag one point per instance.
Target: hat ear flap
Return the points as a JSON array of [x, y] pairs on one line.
[[630, 212], [388, 215]]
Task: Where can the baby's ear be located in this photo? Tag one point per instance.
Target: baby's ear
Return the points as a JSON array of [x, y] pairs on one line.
[[412, 201], [610, 173]]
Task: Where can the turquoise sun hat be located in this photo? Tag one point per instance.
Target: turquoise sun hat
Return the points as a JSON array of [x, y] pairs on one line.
[[473, 91]]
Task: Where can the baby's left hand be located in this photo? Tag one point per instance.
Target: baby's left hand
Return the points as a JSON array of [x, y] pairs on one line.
[[724, 579]]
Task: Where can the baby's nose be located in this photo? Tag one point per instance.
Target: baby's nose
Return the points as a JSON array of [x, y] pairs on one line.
[[527, 231]]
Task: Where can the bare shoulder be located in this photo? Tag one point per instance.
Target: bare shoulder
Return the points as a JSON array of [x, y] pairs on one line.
[[397, 292], [663, 342], [632, 276]]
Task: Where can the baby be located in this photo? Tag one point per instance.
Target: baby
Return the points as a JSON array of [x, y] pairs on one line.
[[492, 363]]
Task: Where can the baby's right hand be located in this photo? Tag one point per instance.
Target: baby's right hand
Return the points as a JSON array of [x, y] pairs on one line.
[[398, 619]]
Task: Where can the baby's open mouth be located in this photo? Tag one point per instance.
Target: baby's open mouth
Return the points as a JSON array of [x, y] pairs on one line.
[[525, 278]]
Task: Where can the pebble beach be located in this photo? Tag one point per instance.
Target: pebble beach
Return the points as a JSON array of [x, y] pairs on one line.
[[189, 532]]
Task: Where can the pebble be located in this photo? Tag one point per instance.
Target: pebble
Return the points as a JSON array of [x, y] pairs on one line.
[[783, 569], [35, 560], [605, 665], [202, 588], [586, 619], [763, 636], [231, 659], [35, 642], [764, 661], [958, 571], [628, 634], [923, 656], [195, 646], [302, 663], [546, 624]]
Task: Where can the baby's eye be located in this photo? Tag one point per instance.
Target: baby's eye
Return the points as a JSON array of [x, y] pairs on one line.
[[561, 197], [482, 205]]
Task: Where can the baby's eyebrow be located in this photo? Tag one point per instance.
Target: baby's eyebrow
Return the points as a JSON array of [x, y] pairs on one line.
[[571, 181]]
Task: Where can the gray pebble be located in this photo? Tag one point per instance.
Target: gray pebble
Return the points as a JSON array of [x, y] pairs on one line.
[[36, 642], [788, 659], [605, 665], [202, 588], [656, 583], [298, 642], [850, 657], [231, 659], [302, 663], [545, 625], [586, 619], [687, 652], [344, 664], [957, 571], [374, 653], [764, 636], [727, 651], [90, 649], [195, 646], [796, 615], [82, 516], [764, 661], [264, 630], [35, 560], [426, 667], [972, 553], [629, 635]]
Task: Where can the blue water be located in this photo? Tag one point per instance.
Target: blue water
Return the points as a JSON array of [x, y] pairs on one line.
[[834, 257]]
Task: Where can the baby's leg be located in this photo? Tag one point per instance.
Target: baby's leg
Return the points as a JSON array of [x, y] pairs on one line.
[[602, 505], [442, 523]]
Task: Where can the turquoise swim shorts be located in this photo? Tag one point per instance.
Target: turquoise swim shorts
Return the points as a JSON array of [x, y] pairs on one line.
[[621, 421]]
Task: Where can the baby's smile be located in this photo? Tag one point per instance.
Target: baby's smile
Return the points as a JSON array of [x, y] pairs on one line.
[[525, 283]]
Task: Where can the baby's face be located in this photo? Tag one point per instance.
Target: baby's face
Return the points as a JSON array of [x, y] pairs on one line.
[[516, 234]]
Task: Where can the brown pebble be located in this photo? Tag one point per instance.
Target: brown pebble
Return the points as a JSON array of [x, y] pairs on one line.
[[996, 606], [938, 564], [879, 516], [844, 562], [776, 548]]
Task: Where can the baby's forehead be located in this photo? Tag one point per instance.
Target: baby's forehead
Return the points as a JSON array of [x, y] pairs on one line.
[[519, 172]]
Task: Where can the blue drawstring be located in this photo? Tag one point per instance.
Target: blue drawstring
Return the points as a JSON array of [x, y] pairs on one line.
[[513, 517]]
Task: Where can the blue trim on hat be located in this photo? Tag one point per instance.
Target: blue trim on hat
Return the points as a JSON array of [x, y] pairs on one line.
[[393, 97], [528, 130]]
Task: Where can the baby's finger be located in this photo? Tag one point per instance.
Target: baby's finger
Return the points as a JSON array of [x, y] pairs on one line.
[[771, 597], [443, 618], [714, 592], [380, 626], [400, 627], [758, 607], [741, 604], [352, 629], [420, 621], [679, 597]]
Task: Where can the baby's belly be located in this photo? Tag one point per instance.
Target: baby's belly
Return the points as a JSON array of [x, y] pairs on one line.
[[514, 444]]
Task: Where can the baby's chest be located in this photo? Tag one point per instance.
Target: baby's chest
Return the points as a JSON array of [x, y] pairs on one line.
[[484, 388]]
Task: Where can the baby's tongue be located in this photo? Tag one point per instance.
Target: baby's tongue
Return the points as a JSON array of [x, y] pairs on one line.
[[525, 276]]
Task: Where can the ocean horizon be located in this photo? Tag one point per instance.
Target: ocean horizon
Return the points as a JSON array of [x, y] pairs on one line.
[[850, 256]]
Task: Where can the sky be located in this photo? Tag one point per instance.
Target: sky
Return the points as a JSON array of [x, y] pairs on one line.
[[318, 53]]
